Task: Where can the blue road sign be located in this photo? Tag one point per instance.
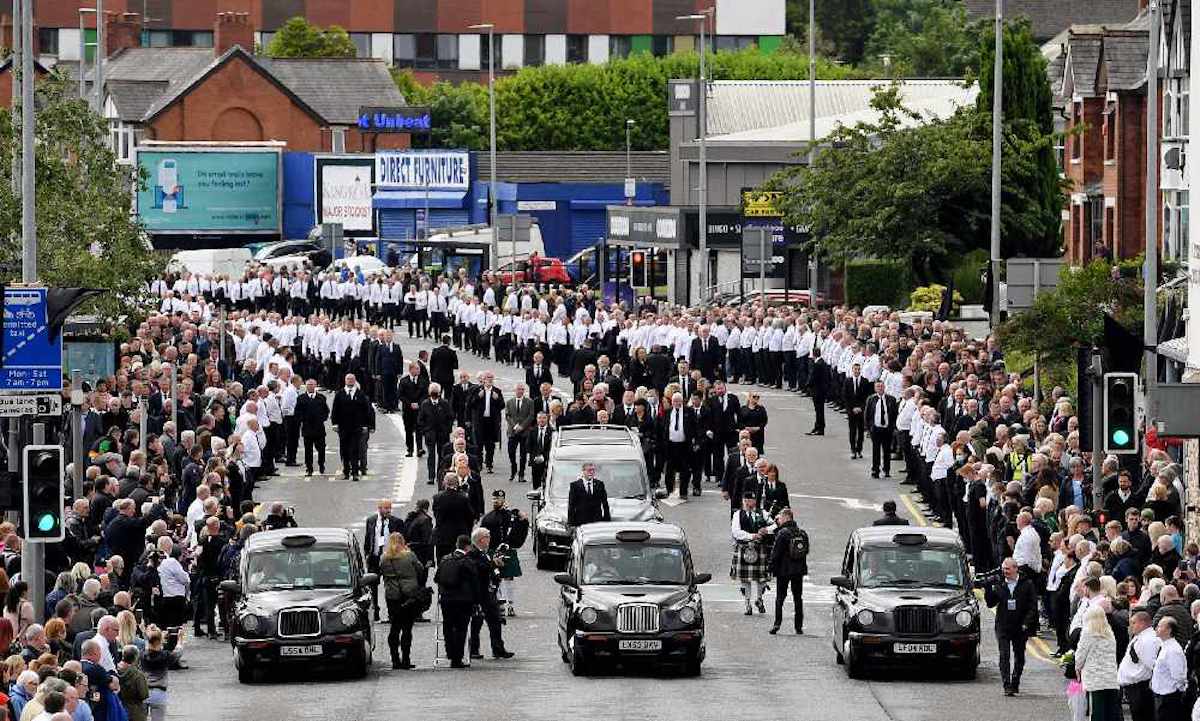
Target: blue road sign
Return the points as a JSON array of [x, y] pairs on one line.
[[31, 361]]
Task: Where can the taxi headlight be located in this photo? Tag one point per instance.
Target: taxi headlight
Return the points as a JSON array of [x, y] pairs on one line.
[[865, 617], [588, 615], [687, 614], [964, 618], [251, 623], [348, 617]]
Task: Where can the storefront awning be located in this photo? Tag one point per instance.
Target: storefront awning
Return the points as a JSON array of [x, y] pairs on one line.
[[389, 199]]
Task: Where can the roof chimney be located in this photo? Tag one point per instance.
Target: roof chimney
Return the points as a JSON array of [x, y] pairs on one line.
[[232, 29], [124, 30]]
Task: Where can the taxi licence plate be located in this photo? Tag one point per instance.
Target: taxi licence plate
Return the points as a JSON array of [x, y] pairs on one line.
[[312, 650], [910, 648], [639, 645]]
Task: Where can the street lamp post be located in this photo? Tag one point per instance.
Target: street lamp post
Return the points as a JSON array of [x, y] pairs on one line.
[[630, 190], [703, 17], [814, 276], [491, 29], [101, 51], [997, 129]]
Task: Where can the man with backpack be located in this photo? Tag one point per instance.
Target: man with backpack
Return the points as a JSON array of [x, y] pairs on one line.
[[789, 565]]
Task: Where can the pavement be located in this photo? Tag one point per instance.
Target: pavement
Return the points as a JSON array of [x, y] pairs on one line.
[[747, 674]]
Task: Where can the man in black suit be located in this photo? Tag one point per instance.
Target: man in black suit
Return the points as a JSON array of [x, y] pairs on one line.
[[683, 377], [485, 407], [435, 420], [452, 516], [1015, 600], [587, 501], [538, 373], [380, 525], [658, 366], [706, 354], [679, 430], [543, 399], [460, 395], [722, 423], [413, 391], [818, 390], [312, 410], [889, 516], [623, 413], [351, 416], [537, 444], [855, 392], [389, 359], [881, 418], [443, 361]]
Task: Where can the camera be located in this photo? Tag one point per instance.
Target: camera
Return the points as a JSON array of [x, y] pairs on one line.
[[989, 577]]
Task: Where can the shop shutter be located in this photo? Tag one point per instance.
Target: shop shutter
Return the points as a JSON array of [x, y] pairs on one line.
[[447, 217], [587, 227], [397, 224]]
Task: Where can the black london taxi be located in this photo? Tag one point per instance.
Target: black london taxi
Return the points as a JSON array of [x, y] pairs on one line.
[[630, 594], [905, 597], [302, 598]]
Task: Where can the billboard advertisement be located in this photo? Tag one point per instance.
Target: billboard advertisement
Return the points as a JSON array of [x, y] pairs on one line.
[[209, 191], [344, 188]]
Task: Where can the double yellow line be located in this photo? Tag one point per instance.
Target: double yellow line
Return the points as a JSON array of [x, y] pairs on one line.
[[1035, 647]]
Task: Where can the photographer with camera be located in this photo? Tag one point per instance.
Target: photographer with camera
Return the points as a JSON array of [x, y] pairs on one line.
[[486, 568], [1015, 601], [509, 528]]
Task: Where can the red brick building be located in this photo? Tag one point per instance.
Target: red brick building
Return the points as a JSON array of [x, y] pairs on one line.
[[225, 93], [1103, 91]]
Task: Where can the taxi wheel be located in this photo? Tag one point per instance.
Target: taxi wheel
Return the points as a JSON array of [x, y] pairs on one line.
[[854, 667], [247, 674]]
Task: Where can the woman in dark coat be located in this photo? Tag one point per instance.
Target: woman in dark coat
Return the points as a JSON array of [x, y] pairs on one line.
[[402, 577], [753, 417]]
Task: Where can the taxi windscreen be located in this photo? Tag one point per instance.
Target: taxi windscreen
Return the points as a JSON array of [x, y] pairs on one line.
[[880, 566], [633, 564], [289, 568]]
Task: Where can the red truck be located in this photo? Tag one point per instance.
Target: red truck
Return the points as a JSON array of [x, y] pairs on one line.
[[534, 269]]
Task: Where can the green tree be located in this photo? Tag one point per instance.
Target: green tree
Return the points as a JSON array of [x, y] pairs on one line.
[[86, 235], [924, 38], [300, 39], [1028, 109], [847, 24], [584, 107], [1073, 314], [912, 189]]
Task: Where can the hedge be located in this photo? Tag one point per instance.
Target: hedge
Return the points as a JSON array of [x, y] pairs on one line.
[[876, 282]]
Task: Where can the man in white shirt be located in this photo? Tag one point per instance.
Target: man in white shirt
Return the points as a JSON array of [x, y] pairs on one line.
[[1137, 666], [174, 584], [1027, 551], [1170, 678]]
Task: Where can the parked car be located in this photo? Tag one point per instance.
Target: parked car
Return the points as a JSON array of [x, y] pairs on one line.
[[368, 265], [210, 261], [293, 254]]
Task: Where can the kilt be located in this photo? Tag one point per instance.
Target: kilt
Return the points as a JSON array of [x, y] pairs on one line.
[[749, 562]]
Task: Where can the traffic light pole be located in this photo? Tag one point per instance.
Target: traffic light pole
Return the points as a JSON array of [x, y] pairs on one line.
[[33, 555], [77, 458], [1096, 371]]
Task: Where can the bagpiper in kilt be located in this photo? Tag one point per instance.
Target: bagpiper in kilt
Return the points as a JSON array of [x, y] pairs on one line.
[[749, 566]]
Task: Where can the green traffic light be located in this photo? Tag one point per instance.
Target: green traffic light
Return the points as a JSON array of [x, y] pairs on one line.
[[46, 522], [1120, 438]]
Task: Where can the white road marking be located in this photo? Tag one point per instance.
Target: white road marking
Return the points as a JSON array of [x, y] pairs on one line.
[[854, 504], [405, 485]]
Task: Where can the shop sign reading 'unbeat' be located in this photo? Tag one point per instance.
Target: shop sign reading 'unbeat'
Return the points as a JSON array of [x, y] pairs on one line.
[[441, 170]]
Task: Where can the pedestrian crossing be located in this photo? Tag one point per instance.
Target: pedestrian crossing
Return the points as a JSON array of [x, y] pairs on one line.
[[728, 596]]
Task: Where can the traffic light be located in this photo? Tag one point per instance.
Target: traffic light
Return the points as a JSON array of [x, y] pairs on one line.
[[1120, 413], [44, 497], [637, 269]]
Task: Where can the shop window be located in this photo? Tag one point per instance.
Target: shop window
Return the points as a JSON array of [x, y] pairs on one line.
[[619, 46], [577, 47], [535, 50]]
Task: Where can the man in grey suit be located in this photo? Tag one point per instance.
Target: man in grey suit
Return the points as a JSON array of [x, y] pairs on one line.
[[519, 417]]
